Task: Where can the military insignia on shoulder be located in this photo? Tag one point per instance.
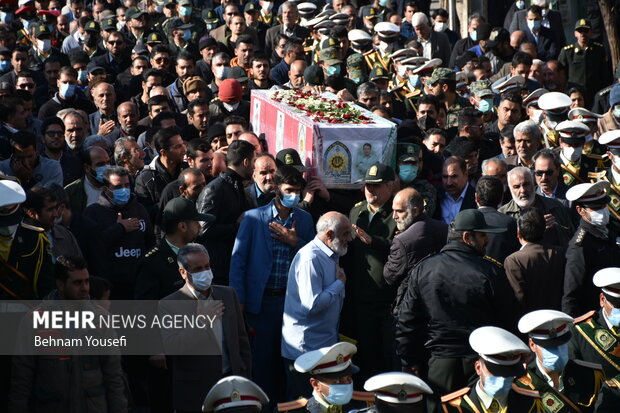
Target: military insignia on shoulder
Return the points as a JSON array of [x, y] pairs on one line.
[[552, 403], [525, 392], [614, 383], [581, 234], [585, 317], [359, 203], [570, 46], [604, 339], [594, 366], [596, 175], [493, 260], [297, 404], [457, 394], [151, 252]]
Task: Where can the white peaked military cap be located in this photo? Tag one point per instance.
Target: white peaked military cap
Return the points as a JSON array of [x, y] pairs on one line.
[[428, 67], [572, 131], [501, 350], [512, 83], [397, 387], [385, 27], [554, 102], [532, 98], [11, 193], [234, 391], [306, 7], [340, 18], [547, 328], [334, 360], [589, 194], [401, 54], [608, 279], [357, 35], [461, 79], [583, 115], [611, 139]]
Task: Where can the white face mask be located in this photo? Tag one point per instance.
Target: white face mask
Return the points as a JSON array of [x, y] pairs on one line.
[[267, 6], [401, 70], [537, 115], [44, 45], [383, 46], [440, 26], [218, 72], [230, 107], [600, 218], [571, 153]]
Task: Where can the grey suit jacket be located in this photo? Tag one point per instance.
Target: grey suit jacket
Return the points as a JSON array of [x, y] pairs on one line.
[[519, 22], [193, 376]]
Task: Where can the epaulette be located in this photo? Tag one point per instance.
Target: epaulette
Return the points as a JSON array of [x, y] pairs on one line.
[[525, 380], [359, 204], [570, 46], [584, 317], [605, 90], [297, 404], [32, 227], [525, 392], [215, 99], [455, 395], [614, 383], [580, 235], [368, 53], [598, 44], [493, 260], [151, 252], [593, 366], [363, 396]]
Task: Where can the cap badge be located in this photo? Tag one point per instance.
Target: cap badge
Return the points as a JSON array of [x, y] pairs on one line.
[[288, 159], [373, 170], [379, 72], [155, 37], [339, 358], [170, 260], [235, 396], [402, 395], [372, 12], [42, 28], [580, 117], [331, 42]]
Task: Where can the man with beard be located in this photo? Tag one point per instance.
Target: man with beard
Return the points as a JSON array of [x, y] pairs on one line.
[[198, 117], [259, 72], [127, 114], [449, 295], [417, 236], [559, 227], [185, 67], [263, 189]]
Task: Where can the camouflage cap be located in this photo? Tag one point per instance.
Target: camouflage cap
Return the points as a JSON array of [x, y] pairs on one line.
[[355, 64], [330, 56], [442, 73], [481, 88], [329, 42]]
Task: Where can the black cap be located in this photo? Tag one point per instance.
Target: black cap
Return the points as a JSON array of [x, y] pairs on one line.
[[498, 35], [251, 7], [108, 24], [215, 130], [140, 48], [182, 209], [290, 157], [370, 12], [206, 41], [483, 31], [473, 220], [92, 67], [41, 30], [134, 13], [92, 26], [314, 76], [378, 173], [209, 16], [464, 58], [154, 38]]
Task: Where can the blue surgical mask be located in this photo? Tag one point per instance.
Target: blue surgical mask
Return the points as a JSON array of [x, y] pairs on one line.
[[159, 8], [555, 358], [5, 66], [614, 317], [202, 280], [185, 11], [290, 200], [99, 172], [82, 76], [473, 35], [121, 196], [414, 80], [497, 386], [485, 105], [27, 24], [407, 172], [533, 25], [339, 394], [333, 70], [187, 35], [617, 112], [520, 4], [383, 3], [5, 17], [66, 90], [357, 80]]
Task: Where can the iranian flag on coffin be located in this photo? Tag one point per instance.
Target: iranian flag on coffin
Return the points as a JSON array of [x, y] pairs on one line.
[[336, 145]]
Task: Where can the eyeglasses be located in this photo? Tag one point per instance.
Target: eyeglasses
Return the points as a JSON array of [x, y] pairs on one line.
[[26, 86], [113, 42], [547, 172], [54, 133], [162, 60]]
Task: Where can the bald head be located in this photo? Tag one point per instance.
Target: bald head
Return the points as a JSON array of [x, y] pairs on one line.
[[128, 117], [253, 139], [516, 38], [334, 230], [296, 73], [408, 204]]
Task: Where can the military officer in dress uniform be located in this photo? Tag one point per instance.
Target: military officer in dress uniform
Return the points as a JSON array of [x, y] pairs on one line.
[[406, 87], [388, 43], [425, 71], [565, 385], [331, 377], [530, 104], [555, 106], [586, 62], [500, 359], [513, 84], [592, 147], [360, 41], [397, 392], [576, 166], [593, 247], [235, 394], [611, 140]]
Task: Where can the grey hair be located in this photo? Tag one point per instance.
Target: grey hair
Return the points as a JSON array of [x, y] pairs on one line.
[[521, 171], [289, 5], [120, 151], [529, 128], [486, 163], [191, 248], [329, 222], [368, 87]]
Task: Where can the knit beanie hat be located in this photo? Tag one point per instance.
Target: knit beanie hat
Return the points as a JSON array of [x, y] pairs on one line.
[[230, 91]]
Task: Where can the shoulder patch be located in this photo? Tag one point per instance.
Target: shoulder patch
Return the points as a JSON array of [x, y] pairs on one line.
[[493, 260], [584, 317], [580, 235], [614, 383], [455, 395], [594, 366], [363, 396], [359, 204], [570, 46], [598, 44], [525, 392], [297, 404], [151, 252]]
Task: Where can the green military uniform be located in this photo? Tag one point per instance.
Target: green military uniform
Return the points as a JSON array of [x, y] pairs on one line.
[[578, 172], [454, 109], [580, 384], [198, 27], [375, 58], [551, 136], [614, 196], [402, 92], [360, 400], [519, 401]]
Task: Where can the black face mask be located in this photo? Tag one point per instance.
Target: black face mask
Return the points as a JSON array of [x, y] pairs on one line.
[[427, 122]]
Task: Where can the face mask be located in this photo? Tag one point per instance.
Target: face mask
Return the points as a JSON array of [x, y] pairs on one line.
[[82, 36], [230, 107], [267, 6], [589, 138], [617, 112], [600, 218], [82, 76], [387, 39], [414, 80], [218, 72], [159, 9], [5, 66], [202, 280], [121, 196], [5, 17], [27, 24], [99, 172], [497, 386], [357, 80], [187, 35], [555, 358], [407, 173], [572, 153], [333, 70], [534, 25], [382, 3], [44, 45], [339, 394], [537, 115], [473, 35], [614, 317], [440, 26], [520, 5], [485, 105], [66, 90], [210, 26], [401, 71], [185, 11], [290, 200], [120, 25]]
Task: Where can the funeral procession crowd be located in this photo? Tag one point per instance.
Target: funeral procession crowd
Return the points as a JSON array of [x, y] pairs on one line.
[[477, 269]]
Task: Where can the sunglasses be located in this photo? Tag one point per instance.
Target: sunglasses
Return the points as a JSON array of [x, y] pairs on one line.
[[113, 42], [547, 172], [162, 60], [54, 133], [26, 86]]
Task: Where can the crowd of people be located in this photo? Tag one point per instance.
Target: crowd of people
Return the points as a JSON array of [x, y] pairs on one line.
[[478, 271]]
